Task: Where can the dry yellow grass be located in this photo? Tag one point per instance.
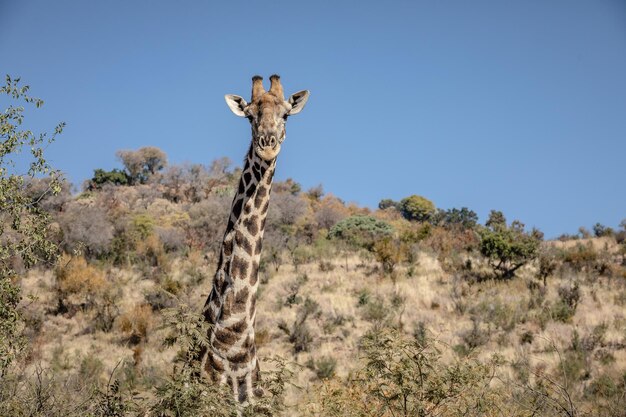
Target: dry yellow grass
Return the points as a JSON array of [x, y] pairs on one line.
[[425, 296]]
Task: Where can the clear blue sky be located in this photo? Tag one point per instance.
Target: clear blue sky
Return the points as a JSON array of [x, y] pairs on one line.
[[511, 105]]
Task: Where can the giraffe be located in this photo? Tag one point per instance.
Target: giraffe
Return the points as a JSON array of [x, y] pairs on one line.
[[230, 308]]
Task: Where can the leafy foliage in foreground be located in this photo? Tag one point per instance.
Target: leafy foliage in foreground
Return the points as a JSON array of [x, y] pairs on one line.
[[402, 376], [24, 231]]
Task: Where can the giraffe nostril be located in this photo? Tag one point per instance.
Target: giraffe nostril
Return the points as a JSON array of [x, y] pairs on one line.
[[273, 141]]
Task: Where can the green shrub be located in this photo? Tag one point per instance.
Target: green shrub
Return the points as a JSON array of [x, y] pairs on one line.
[[101, 177], [360, 231], [454, 218], [417, 208], [401, 377], [507, 248]]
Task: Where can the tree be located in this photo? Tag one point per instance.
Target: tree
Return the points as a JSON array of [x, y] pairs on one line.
[[88, 226], [315, 193], [417, 208], [496, 220], [143, 163], [454, 218], [330, 211], [600, 230], [23, 224], [101, 177], [386, 203], [508, 248]]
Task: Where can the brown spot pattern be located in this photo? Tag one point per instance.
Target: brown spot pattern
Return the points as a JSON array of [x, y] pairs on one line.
[[237, 208], [252, 306], [251, 225], [258, 199], [254, 272], [239, 268], [241, 241]]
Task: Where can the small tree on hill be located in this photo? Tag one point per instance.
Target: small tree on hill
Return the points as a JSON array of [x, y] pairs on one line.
[[142, 163], [386, 203], [454, 218], [508, 248], [417, 208], [101, 177]]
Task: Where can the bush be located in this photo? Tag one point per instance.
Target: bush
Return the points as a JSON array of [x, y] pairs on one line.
[[402, 377], [417, 208], [86, 226], [548, 262], [570, 294], [599, 230], [324, 367], [136, 323], [386, 203], [454, 218], [331, 210], [285, 209], [207, 222], [77, 282], [143, 163], [299, 334], [360, 231], [507, 248], [101, 177], [389, 252]]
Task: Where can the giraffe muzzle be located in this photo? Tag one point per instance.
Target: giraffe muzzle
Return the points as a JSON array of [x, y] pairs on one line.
[[267, 141]]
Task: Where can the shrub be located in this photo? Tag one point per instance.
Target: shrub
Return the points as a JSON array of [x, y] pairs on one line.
[[599, 230], [360, 231], [285, 209], [507, 248], [389, 252], [570, 294], [299, 334], [417, 208], [101, 177], [373, 309], [454, 218], [77, 282], [331, 210], [207, 222], [324, 367], [401, 377], [386, 203], [86, 226], [136, 323], [160, 299], [548, 262], [173, 238], [475, 337]]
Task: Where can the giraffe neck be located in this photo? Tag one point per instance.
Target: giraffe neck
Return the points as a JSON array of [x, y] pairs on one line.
[[231, 305]]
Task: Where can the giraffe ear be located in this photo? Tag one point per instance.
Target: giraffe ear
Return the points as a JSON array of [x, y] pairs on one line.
[[297, 101], [237, 104]]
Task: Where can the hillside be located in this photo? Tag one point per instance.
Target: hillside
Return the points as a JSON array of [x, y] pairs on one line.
[[493, 319]]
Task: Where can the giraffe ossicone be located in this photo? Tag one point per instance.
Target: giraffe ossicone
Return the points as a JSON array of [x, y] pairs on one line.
[[230, 308]]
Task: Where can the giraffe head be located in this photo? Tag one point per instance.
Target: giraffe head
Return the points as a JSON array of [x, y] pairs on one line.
[[267, 113]]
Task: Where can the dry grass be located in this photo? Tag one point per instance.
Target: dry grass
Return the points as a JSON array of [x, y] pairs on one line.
[[351, 296]]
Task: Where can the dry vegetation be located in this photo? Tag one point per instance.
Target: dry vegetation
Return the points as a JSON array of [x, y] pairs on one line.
[[367, 313]]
